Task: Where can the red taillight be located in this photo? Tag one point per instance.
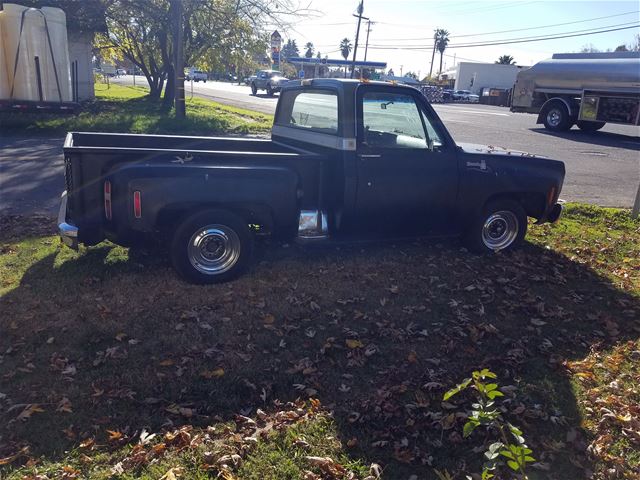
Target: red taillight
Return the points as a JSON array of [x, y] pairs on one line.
[[137, 205], [107, 199]]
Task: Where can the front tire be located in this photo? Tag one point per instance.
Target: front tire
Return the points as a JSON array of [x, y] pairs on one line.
[[556, 117], [254, 89], [589, 127], [213, 246], [502, 225], [269, 90]]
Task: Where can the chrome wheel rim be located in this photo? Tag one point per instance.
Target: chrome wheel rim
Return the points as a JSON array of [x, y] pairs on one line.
[[554, 117], [214, 249], [500, 230]]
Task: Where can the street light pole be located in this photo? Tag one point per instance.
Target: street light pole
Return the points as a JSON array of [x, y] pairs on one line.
[[179, 62]]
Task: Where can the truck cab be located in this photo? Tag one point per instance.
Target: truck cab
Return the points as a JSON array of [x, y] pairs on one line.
[[346, 159]]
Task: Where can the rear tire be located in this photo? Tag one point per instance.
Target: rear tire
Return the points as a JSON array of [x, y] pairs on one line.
[[212, 246], [589, 126], [502, 225], [254, 89], [556, 117]]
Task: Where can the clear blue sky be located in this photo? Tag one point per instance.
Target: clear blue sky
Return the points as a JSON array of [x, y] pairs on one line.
[[406, 26]]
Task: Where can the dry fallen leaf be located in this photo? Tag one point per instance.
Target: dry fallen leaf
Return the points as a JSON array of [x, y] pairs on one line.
[[217, 373], [172, 474], [30, 410], [114, 435], [351, 343]]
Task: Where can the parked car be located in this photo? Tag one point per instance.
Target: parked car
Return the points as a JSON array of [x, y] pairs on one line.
[[269, 80], [465, 96], [121, 71], [447, 95], [196, 75], [346, 159]]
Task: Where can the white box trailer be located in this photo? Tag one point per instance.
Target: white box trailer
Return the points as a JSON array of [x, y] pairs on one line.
[[589, 90]]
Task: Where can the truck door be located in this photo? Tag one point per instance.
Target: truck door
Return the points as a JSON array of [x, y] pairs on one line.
[[407, 168]]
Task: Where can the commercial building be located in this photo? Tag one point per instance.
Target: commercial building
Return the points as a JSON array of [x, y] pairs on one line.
[[476, 76]]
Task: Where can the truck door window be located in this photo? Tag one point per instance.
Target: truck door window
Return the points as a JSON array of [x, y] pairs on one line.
[[393, 120], [313, 110]]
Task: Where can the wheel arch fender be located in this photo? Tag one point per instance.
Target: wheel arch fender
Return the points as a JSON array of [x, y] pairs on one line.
[[552, 101], [533, 203], [173, 214]]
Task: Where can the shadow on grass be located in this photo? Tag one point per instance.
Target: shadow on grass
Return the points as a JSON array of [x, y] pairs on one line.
[[127, 345]]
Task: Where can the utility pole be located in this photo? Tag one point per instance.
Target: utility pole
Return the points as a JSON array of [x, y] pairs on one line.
[[355, 48], [636, 205], [366, 46], [179, 61]]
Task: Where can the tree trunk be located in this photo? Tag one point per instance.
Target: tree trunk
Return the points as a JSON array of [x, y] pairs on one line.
[[169, 91], [433, 56], [154, 89], [441, 54]]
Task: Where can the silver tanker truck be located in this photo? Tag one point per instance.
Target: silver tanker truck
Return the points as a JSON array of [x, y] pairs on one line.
[[586, 89]]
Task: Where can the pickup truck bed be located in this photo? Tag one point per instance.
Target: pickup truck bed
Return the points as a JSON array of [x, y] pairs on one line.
[[260, 176]]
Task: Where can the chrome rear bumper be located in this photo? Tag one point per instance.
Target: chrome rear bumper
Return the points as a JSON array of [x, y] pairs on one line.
[[68, 233]]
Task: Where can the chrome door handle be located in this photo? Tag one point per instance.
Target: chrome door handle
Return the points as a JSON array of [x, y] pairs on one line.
[[362, 155]]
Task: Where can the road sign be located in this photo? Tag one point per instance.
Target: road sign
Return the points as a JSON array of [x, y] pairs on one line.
[[301, 73], [276, 40]]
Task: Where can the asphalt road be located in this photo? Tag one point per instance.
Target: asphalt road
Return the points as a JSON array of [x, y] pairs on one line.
[[602, 168]]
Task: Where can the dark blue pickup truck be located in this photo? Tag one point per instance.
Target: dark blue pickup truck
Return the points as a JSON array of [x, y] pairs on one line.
[[346, 159]]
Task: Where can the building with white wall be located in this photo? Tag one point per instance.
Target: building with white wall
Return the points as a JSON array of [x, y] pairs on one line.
[[476, 76]]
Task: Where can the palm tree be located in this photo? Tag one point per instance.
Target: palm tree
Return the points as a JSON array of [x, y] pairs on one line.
[[505, 60], [436, 34], [345, 50], [441, 45]]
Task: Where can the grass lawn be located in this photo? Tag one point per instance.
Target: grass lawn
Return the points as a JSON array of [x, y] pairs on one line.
[[129, 109], [322, 361]]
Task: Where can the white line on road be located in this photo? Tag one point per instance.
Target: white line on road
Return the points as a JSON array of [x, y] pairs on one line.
[[477, 112]]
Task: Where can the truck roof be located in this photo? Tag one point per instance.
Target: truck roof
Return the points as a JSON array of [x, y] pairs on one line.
[[343, 83]]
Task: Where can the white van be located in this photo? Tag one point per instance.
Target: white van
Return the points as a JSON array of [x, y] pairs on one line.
[[195, 75]]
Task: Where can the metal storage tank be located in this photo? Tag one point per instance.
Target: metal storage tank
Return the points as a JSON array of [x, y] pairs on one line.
[[4, 80], [33, 76]]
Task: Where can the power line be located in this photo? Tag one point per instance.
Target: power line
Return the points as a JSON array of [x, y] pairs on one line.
[[533, 37], [576, 33], [428, 47], [516, 29]]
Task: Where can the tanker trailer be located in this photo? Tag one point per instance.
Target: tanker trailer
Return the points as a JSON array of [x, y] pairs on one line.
[[585, 89]]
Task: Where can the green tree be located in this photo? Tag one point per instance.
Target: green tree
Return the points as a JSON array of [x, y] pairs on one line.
[[441, 45], [289, 50], [218, 34], [411, 75], [309, 52], [505, 60]]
